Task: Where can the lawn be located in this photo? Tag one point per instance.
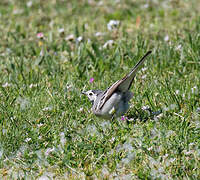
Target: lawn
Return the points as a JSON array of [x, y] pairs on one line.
[[52, 50]]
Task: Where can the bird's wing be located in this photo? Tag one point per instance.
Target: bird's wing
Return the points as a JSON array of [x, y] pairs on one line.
[[122, 85]]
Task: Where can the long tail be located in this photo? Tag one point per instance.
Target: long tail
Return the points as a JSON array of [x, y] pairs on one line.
[[128, 79]]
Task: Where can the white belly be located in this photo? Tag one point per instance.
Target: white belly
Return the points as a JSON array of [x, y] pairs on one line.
[[117, 105]]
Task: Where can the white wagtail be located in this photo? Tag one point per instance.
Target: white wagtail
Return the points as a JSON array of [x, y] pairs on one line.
[[114, 101]]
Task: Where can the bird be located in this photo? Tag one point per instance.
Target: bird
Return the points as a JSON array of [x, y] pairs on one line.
[[114, 101]]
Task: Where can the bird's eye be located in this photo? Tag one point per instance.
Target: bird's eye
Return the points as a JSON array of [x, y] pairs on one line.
[[90, 94]]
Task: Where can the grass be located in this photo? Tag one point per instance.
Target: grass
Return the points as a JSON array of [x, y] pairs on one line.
[[46, 127]]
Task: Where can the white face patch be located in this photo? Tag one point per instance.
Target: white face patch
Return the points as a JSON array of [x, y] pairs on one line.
[[91, 95]]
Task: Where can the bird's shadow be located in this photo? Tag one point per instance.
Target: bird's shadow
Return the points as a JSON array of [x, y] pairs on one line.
[[142, 115]]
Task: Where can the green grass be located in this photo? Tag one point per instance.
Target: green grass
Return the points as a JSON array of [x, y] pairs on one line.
[[46, 126]]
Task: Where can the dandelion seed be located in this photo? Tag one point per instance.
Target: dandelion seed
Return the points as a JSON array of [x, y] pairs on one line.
[[113, 24], [91, 80], [40, 35]]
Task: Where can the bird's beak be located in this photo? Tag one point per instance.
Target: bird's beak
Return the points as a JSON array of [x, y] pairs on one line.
[[83, 92]]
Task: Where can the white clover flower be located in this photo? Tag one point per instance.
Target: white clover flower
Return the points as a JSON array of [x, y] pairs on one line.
[[113, 24]]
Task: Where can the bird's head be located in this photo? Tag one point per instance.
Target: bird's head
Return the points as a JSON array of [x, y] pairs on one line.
[[92, 94]]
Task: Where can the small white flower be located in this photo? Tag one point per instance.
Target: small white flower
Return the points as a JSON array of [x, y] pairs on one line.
[[62, 138], [194, 90], [42, 53], [70, 37], [109, 43], [98, 34], [49, 150], [166, 38], [47, 108], [89, 41], [29, 3], [79, 39], [32, 85], [177, 91], [179, 47], [146, 6], [145, 108], [198, 109], [27, 139], [100, 3], [6, 85], [144, 76], [80, 110], [61, 30], [144, 69], [113, 24], [40, 125]]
